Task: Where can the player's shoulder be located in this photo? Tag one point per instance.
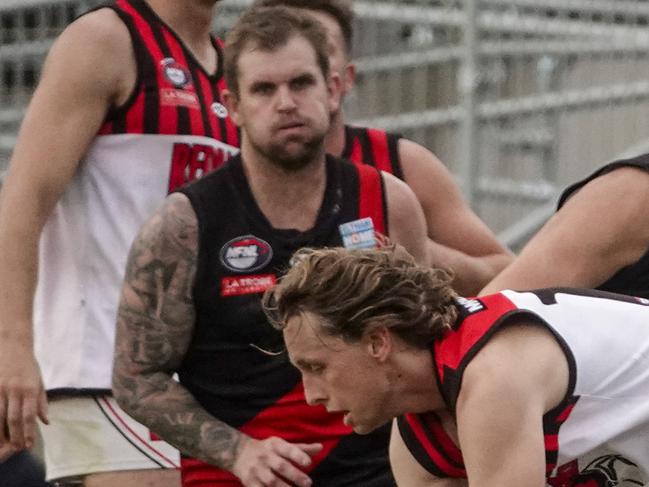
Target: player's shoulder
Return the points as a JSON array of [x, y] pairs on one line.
[[94, 50], [101, 28], [421, 164], [625, 177], [622, 187]]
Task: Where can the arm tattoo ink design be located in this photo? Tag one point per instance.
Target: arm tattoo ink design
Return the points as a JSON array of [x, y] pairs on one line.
[[155, 324]]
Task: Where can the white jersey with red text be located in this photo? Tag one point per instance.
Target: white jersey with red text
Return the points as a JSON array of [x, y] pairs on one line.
[[172, 130]]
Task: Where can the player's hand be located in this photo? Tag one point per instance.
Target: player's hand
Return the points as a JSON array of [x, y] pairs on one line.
[[274, 462], [6, 450], [22, 397]]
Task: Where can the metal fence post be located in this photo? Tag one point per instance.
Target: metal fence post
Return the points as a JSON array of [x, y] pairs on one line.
[[468, 84]]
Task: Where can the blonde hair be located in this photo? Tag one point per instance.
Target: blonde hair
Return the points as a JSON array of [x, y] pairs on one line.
[[356, 290]]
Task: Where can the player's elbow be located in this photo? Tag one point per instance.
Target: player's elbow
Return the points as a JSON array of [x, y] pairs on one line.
[[124, 387]]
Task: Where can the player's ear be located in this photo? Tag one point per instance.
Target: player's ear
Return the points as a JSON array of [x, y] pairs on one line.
[[231, 102], [349, 78], [334, 89], [378, 342]]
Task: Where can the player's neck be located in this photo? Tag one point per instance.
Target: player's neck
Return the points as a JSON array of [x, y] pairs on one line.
[[190, 19], [288, 199], [417, 389], [335, 140]]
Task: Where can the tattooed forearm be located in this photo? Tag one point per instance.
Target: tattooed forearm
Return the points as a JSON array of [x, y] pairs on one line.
[[169, 410], [154, 328]]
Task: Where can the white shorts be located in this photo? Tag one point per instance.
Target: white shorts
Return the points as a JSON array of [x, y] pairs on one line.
[[91, 434]]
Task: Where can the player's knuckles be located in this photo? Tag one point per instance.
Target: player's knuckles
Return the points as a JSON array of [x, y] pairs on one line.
[[276, 443], [263, 456], [284, 448], [14, 419], [20, 389], [29, 413], [265, 475], [288, 471]]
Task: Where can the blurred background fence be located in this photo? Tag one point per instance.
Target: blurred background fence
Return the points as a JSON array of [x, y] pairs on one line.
[[518, 97]]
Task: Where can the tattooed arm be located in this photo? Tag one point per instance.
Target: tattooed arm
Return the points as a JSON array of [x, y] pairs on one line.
[[155, 324]]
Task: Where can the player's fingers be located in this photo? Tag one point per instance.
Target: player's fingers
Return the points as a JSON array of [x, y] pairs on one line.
[[30, 406], [290, 472], [303, 453], [293, 453], [6, 450], [42, 407], [4, 430], [15, 420], [268, 478], [310, 448]]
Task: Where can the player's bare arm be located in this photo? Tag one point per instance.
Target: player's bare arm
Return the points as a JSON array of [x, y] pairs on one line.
[[154, 329], [458, 239], [601, 229], [405, 218], [78, 85], [511, 383]]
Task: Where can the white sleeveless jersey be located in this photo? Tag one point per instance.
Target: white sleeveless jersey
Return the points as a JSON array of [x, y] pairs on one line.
[[606, 434], [85, 244], [136, 159], [599, 434]]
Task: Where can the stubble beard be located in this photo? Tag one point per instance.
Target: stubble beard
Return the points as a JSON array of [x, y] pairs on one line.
[[293, 160]]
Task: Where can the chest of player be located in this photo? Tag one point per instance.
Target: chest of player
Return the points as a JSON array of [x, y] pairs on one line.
[[174, 93], [241, 254], [239, 267]]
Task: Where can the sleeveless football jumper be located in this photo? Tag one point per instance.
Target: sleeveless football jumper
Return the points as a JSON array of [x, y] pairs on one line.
[[172, 129], [236, 366], [605, 412]]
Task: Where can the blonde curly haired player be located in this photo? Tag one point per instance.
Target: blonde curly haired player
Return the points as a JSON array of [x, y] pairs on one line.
[[497, 390]]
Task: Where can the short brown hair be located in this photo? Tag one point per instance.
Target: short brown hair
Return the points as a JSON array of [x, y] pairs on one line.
[[356, 290], [269, 29], [340, 10]]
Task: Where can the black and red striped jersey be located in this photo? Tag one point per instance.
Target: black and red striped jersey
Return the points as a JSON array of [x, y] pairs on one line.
[[373, 147], [605, 339], [174, 93], [632, 279], [226, 367]]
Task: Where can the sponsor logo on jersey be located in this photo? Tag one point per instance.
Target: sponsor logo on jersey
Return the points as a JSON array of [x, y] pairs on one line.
[[470, 305], [219, 110], [175, 98], [246, 254], [241, 285], [358, 234], [176, 73]]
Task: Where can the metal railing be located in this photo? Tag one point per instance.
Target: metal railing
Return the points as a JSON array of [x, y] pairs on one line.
[[518, 97]]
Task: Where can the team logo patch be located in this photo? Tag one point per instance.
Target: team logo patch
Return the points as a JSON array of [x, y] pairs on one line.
[[177, 74], [246, 254], [603, 471], [241, 285], [219, 110], [358, 234]]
